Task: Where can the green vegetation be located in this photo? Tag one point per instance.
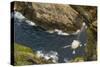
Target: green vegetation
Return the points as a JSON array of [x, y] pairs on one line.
[[67, 18], [26, 56], [22, 48], [91, 46], [79, 59], [22, 54]]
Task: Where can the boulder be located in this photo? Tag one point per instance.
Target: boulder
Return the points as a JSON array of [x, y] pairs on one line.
[[51, 16]]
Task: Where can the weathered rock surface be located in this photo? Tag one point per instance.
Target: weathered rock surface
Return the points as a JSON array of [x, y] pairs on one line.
[[60, 16], [89, 13], [94, 26], [51, 16]]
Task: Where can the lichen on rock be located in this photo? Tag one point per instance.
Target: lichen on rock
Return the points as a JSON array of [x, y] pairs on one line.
[[51, 16]]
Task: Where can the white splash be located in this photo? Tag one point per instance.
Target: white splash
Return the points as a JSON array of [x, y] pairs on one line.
[[46, 57], [53, 53], [73, 52], [40, 54], [60, 32], [77, 32], [50, 55], [30, 23], [18, 15]]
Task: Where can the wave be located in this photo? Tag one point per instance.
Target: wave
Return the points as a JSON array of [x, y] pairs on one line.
[[60, 32], [20, 18], [53, 55], [77, 32], [30, 23]]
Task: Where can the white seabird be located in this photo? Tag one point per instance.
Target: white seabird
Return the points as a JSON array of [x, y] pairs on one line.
[[75, 44]]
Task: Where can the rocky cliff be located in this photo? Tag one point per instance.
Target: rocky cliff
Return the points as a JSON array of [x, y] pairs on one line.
[[67, 18], [51, 16]]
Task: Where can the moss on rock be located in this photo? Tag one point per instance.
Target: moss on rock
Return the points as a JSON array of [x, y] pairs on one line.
[[26, 56], [91, 47]]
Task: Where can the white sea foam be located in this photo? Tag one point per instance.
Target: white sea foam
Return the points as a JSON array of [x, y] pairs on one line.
[[46, 57], [40, 54], [60, 32], [18, 15], [53, 53], [77, 32], [30, 23], [49, 55], [73, 52]]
